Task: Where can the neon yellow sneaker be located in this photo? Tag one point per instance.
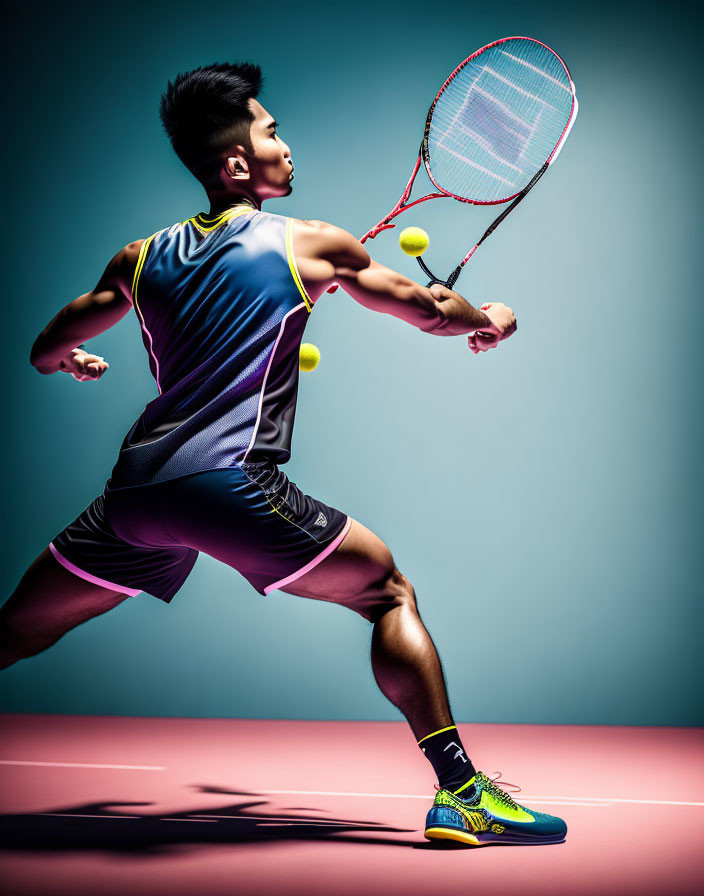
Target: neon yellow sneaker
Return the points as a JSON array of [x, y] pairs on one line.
[[479, 813]]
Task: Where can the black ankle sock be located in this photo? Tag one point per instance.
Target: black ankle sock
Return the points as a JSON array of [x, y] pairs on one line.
[[448, 757]]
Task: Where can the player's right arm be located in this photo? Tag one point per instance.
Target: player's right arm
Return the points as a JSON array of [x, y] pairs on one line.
[[326, 254]]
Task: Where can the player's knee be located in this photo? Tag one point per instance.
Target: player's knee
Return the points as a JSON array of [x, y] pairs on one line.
[[394, 591], [403, 591]]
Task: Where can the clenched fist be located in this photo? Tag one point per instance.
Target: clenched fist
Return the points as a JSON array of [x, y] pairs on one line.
[[503, 325], [82, 365]]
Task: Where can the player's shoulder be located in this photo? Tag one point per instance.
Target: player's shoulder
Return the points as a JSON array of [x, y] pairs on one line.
[[124, 259], [120, 270], [322, 238], [311, 225], [130, 252], [128, 257]]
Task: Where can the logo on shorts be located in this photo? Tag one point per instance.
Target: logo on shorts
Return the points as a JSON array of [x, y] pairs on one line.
[[321, 521]]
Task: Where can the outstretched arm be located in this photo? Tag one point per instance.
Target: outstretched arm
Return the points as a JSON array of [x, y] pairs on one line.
[[89, 314], [327, 254]]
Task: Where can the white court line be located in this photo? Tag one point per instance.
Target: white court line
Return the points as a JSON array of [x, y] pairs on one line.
[[599, 800], [566, 800], [145, 768]]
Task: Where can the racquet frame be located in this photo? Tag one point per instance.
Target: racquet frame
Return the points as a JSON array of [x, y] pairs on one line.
[[424, 156]]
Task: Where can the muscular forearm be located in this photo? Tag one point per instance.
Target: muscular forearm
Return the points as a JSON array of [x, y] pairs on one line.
[[47, 367], [383, 289], [52, 344], [50, 350], [457, 317], [84, 317]]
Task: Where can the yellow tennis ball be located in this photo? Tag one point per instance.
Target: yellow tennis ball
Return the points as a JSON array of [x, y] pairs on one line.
[[413, 240], [308, 357]]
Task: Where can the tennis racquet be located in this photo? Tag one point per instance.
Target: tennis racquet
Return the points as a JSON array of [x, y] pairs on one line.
[[497, 124]]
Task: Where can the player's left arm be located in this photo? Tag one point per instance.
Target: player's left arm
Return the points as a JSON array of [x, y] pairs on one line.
[[56, 347]]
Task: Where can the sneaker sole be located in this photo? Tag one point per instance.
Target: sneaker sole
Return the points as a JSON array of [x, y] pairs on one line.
[[451, 834], [487, 838]]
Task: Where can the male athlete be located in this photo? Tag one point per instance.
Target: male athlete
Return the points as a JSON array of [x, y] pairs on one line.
[[223, 299]]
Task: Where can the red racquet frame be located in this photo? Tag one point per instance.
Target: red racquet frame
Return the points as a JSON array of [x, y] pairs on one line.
[[424, 155]]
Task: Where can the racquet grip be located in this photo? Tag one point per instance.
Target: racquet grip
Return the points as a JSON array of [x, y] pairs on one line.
[[449, 286], [452, 279]]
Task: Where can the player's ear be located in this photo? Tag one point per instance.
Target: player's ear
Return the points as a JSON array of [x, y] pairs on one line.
[[236, 167]]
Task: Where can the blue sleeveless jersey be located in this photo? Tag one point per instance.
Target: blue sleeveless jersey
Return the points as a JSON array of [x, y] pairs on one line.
[[222, 310]]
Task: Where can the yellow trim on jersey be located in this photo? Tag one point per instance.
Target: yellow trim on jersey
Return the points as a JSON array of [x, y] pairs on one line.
[[207, 224], [292, 264], [140, 264], [449, 728]]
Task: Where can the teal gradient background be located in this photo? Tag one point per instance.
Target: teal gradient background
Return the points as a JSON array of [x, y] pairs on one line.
[[543, 499]]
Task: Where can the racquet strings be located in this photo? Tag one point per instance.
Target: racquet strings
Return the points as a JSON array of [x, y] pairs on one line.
[[498, 120]]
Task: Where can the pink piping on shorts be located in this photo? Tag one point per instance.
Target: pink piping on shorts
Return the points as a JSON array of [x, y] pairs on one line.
[[314, 562], [96, 580]]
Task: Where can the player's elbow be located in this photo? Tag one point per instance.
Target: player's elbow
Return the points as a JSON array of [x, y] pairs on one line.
[[37, 351], [38, 359]]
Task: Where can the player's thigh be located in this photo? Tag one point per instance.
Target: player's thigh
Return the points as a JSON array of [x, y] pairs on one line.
[[49, 600], [359, 573]]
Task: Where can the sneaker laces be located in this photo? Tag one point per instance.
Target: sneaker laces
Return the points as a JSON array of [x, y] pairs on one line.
[[491, 784]]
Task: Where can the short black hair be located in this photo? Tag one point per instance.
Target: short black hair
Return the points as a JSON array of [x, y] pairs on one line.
[[205, 110]]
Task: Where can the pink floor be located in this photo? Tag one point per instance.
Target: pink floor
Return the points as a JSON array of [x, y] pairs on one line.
[[110, 805]]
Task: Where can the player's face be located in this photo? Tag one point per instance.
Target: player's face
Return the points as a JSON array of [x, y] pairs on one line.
[[271, 168]]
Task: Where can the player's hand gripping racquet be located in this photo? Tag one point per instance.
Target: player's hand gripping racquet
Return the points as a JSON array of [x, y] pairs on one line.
[[497, 124]]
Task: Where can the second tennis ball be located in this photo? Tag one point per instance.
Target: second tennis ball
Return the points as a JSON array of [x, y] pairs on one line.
[[308, 357], [413, 241]]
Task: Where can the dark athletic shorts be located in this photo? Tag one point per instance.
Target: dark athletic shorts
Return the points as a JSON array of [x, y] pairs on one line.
[[250, 516]]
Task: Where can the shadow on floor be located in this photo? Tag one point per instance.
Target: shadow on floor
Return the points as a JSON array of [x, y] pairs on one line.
[[115, 827]]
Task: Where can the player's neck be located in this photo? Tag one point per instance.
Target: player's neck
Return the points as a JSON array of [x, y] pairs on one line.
[[220, 204]]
